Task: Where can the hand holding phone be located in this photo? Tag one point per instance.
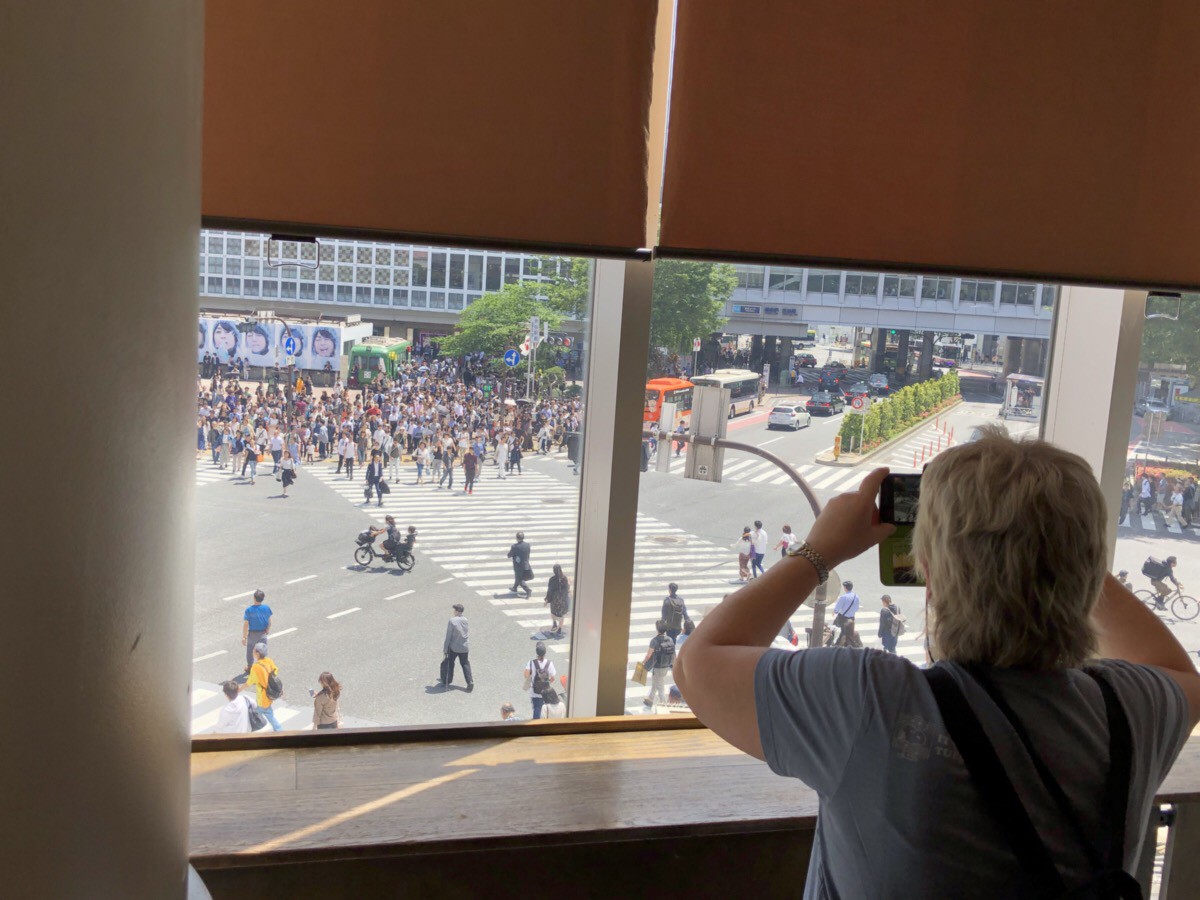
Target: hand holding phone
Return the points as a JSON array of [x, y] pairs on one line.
[[311, 692], [899, 501]]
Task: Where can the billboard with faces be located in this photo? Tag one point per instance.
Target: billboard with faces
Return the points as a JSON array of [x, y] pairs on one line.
[[265, 343]]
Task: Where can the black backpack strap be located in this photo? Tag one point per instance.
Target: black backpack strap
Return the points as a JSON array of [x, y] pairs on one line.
[[1120, 770], [987, 774]]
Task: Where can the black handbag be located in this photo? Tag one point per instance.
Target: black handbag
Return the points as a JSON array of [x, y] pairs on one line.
[[257, 719], [383, 486]]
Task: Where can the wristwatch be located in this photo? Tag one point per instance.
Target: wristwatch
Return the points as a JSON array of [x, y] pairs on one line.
[[818, 562]]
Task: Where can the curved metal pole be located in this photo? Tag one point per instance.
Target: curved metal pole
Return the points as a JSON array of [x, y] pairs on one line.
[[820, 595]]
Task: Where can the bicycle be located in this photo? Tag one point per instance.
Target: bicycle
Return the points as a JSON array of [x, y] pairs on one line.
[[1182, 607], [365, 553]]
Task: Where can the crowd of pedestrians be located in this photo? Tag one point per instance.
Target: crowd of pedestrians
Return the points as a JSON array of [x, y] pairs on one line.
[[440, 413], [1174, 498]]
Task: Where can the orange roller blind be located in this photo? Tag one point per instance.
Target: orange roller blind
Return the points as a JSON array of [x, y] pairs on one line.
[[1057, 140], [474, 121]]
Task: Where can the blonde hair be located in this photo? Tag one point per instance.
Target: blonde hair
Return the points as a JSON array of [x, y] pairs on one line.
[[1011, 536]]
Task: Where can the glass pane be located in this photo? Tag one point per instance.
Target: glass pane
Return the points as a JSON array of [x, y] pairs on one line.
[[966, 291], [493, 273], [688, 534], [308, 291], [437, 269], [1008, 294], [986, 293], [928, 288], [475, 273], [420, 267], [512, 270], [1026, 294], [457, 267]]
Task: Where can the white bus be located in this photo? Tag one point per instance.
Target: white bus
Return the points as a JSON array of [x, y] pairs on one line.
[[745, 387]]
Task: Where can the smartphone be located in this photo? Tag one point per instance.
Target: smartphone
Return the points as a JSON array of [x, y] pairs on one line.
[[311, 692], [899, 500]]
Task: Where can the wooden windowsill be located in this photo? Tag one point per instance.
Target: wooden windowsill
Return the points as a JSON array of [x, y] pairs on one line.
[[295, 798]]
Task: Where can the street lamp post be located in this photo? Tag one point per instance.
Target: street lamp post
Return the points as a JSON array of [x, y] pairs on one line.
[[817, 634]]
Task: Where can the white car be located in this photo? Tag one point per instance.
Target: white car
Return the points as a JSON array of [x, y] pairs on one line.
[[1152, 406], [793, 417]]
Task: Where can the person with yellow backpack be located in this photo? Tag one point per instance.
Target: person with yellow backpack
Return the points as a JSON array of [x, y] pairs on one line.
[[264, 676]]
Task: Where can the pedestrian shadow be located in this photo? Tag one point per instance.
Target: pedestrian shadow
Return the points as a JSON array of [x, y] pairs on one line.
[[438, 688]]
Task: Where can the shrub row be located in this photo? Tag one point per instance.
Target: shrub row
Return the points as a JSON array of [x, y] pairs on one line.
[[888, 417]]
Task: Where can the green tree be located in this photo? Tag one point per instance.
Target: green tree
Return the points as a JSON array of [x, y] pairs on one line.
[[497, 322], [1174, 342], [688, 299], [567, 291]]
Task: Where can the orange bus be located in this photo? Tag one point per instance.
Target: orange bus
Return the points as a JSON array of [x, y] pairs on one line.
[[668, 390]]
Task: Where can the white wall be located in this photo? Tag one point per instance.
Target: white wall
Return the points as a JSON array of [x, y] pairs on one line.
[[99, 221]]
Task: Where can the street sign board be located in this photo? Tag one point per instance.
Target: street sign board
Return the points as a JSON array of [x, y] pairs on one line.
[[525, 348], [695, 345], [512, 358], [860, 404], [289, 360], [289, 347]]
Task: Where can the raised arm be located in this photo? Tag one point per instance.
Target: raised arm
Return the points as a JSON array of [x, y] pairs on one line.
[[715, 668], [1126, 629]]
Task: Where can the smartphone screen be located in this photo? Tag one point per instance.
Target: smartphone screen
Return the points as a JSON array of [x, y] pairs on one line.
[[899, 499], [899, 496]]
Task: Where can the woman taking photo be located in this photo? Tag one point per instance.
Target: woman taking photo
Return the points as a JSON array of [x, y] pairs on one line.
[[1018, 603], [325, 702]]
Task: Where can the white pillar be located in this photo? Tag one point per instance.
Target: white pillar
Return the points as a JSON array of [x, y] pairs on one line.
[[620, 328], [1093, 374], [100, 220]]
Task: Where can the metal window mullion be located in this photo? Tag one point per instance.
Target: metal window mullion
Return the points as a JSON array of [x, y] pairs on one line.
[[620, 330]]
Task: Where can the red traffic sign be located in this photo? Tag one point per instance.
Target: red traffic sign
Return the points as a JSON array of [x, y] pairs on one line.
[[566, 342], [858, 402]]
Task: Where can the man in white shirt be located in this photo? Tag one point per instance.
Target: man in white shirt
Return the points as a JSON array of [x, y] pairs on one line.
[[234, 717], [758, 541], [844, 612]]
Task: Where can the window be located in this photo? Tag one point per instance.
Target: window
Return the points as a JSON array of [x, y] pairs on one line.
[[215, 286], [475, 272], [233, 286], [437, 299], [270, 288], [455, 300], [1048, 296], [936, 288], [233, 267], [287, 290], [750, 277], [437, 269], [512, 270], [383, 297], [400, 297], [1026, 294], [345, 293], [900, 286], [532, 267], [420, 267], [383, 256], [784, 279], [457, 270], [966, 291], [493, 273], [325, 292], [1008, 294], [308, 291], [418, 299]]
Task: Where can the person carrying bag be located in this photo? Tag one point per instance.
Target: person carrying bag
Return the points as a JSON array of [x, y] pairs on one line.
[[1109, 878]]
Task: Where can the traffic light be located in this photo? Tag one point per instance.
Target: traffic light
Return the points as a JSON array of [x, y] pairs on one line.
[[892, 332]]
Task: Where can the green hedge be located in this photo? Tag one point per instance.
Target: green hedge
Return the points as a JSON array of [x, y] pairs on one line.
[[903, 409]]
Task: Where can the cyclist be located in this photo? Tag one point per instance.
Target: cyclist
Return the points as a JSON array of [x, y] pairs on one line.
[[392, 539], [1157, 571]]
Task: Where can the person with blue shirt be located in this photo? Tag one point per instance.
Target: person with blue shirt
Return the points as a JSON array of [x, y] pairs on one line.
[[256, 625], [844, 612]]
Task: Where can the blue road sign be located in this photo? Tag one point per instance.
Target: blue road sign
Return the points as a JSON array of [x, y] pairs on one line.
[[512, 358], [289, 346]]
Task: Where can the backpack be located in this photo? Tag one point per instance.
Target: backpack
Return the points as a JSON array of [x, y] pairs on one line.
[[1155, 568], [674, 613], [274, 689], [541, 677], [550, 695], [899, 624], [664, 656], [394, 450]]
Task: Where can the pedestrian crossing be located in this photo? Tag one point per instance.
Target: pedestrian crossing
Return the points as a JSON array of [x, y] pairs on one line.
[[1156, 523], [546, 510], [747, 469], [207, 473]]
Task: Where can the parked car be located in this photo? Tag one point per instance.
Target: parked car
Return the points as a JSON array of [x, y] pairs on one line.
[[789, 416], [878, 383], [825, 403], [806, 361]]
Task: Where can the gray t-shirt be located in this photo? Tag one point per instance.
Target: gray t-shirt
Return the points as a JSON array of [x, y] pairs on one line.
[[899, 816]]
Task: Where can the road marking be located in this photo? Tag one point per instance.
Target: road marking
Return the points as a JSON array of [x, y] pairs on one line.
[[237, 596], [773, 440], [444, 580], [274, 634], [345, 612], [398, 596], [298, 580], [208, 656]]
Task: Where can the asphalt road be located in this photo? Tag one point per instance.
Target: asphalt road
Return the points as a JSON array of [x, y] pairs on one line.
[[380, 631]]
